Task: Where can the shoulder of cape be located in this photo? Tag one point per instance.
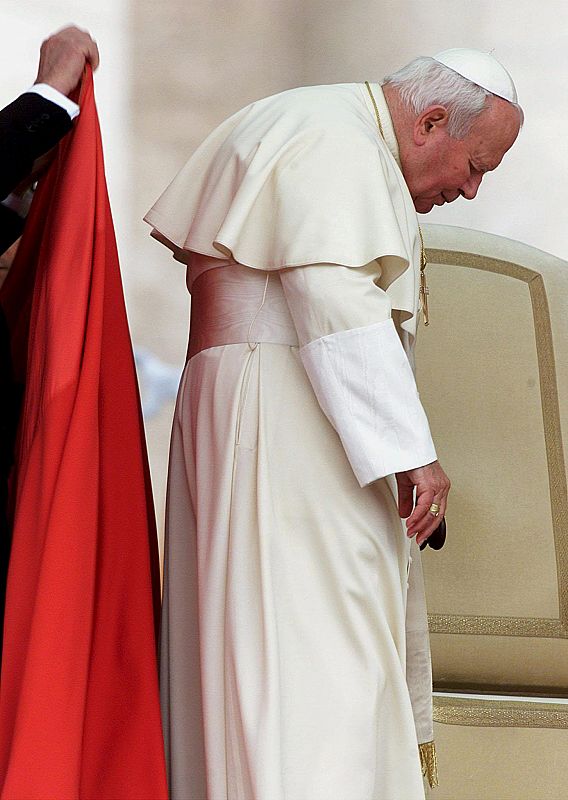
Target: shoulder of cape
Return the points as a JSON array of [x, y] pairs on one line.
[[295, 178], [333, 115]]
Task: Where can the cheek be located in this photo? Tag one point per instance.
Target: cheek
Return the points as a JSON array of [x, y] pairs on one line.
[[438, 173], [444, 173], [437, 181], [460, 171]]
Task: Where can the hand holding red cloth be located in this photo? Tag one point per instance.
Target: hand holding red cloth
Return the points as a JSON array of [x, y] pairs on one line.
[[79, 710]]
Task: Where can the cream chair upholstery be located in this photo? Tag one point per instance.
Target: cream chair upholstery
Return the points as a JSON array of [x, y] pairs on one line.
[[493, 376], [500, 749]]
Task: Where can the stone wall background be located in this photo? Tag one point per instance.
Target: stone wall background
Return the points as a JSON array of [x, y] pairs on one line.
[[171, 71]]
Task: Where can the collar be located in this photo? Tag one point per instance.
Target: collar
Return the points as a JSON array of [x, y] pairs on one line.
[[386, 121]]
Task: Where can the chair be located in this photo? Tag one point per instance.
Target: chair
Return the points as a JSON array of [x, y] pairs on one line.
[[493, 377]]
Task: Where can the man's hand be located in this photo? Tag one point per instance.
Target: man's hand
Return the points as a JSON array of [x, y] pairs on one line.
[[63, 57], [432, 486]]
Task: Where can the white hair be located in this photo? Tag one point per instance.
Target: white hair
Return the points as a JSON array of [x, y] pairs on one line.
[[425, 82]]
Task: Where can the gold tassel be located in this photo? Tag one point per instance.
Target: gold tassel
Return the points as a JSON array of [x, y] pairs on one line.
[[429, 763]]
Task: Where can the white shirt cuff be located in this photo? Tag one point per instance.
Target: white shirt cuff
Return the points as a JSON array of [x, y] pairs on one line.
[[49, 93], [365, 386]]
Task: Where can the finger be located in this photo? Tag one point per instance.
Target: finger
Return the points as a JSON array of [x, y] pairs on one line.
[[427, 531], [428, 521], [416, 519], [405, 500], [424, 535], [96, 58], [437, 507], [84, 42], [431, 525], [93, 54]]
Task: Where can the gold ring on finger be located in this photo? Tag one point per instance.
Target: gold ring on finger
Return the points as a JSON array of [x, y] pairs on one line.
[[434, 509]]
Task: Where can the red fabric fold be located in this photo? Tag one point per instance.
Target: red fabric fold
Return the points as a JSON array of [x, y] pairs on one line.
[[79, 710]]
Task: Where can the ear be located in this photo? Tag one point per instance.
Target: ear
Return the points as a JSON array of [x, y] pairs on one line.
[[431, 121]]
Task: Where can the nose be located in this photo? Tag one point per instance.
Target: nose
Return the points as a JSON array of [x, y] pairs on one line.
[[470, 187]]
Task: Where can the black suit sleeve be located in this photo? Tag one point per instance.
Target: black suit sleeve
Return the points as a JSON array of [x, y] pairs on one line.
[[29, 127], [11, 227]]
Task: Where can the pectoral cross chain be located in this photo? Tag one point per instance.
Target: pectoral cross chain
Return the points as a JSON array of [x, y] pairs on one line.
[[424, 290]]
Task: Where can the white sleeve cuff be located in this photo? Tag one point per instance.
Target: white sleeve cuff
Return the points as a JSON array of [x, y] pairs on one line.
[[49, 93], [364, 384]]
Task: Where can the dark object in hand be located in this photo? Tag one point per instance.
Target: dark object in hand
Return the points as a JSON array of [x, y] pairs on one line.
[[437, 539]]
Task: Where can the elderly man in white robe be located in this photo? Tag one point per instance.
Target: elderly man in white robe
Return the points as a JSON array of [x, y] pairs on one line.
[[294, 654]]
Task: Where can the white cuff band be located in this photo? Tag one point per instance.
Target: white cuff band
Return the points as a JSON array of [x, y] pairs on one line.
[[49, 93], [366, 388]]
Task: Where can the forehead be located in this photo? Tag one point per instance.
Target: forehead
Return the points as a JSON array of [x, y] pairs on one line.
[[493, 133]]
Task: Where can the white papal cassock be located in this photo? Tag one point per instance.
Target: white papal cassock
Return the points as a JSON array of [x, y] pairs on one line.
[[295, 656]]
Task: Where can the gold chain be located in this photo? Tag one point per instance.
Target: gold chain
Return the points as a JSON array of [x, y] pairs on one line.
[[424, 290]]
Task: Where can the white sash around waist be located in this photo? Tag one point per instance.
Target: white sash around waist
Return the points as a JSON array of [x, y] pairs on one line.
[[234, 304]]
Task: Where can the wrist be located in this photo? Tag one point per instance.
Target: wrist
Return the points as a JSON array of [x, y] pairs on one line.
[[50, 92]]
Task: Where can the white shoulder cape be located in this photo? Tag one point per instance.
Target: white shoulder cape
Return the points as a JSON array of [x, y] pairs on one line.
[[301, 177]]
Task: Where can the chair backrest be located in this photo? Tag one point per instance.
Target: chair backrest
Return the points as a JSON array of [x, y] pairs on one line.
[[492, 370]]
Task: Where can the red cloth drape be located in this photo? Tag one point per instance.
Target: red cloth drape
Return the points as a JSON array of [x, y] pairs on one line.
[[79, 712]]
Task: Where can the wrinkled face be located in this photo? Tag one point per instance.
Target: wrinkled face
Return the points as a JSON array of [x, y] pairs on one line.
[[438, 169]]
